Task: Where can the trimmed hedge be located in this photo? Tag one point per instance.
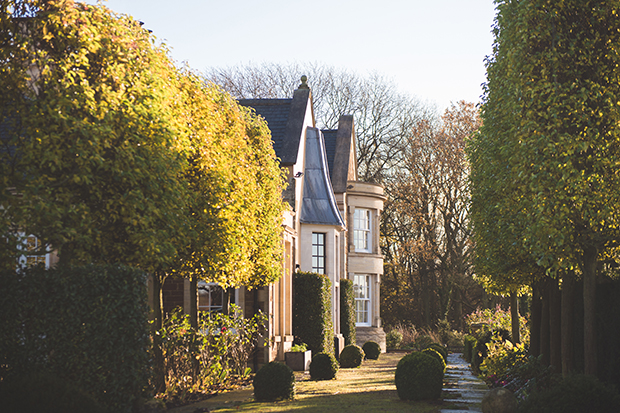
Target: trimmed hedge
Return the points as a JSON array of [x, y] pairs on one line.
[[419, 376], [469, 342], [312, 312], [351, 356], [274, 381], [86, 326], [372, 350], [347, 311], [323, 367], [440, 349]]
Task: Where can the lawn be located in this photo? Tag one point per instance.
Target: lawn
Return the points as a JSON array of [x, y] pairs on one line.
[[369, 388]]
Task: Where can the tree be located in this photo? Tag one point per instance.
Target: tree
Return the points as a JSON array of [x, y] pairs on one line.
[[425, 231], [553, 80], [382, 114]]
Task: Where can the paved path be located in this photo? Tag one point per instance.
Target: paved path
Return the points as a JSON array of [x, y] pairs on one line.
[[462, 389]]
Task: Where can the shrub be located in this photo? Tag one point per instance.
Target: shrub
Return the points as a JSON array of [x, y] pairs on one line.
[[347, 311], [393, 339], [372, 350], [45, 393], [299, 348], [441, 350], [434, 353], [351, 356], [274, 381], [423, 341], [419, 376], [574, 394], [469, 342], [312, 314], [323, 367], [85, 325], [221, 347]]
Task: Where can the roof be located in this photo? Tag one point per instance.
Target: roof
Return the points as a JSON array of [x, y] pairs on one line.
[[340, 150], [285, 118], [318, 204]]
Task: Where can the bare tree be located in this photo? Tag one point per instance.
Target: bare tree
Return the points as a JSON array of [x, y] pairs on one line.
[[382, 114]]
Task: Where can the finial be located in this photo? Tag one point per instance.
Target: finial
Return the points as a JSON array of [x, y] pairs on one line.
[[304, 85]]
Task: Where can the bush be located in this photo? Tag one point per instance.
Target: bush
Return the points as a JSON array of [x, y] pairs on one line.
[[469, 342], [393, 339], [85, 325], [312, 312], [419, 377], [274, 381], [45, 393], [423, 341], [441, 350], [574, 394], [299, 348], [347, 311], [434, 353], [323, 367], [351, 356], [221, 347], [372, 350]]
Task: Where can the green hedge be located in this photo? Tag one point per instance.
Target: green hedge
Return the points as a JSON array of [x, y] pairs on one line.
[[347, 311], [312, 312], [85, 325]]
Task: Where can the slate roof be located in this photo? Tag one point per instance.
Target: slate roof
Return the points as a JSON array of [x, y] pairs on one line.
[[285, 118], [330, 147], [318, 204], [340, 148], [276, 112]]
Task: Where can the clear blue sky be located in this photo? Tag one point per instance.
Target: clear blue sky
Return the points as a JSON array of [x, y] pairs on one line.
[[431, 49]]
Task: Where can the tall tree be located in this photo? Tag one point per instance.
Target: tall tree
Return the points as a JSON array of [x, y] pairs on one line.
[[554, 80]]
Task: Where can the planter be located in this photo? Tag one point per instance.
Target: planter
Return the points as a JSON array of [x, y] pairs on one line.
[[298, 361]]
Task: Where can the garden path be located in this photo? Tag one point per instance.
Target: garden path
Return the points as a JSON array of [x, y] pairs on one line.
[[462, 389]]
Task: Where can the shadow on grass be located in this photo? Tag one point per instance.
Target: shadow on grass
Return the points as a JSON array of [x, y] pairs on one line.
[[360, 402]]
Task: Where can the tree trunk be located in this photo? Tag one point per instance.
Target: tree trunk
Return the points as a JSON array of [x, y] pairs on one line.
[[514, 315], [156, 325], [555, 342], [458, 308], [193, 302], [568, 288], [544, 323], [226, 302], [536, 320], [590, 257]]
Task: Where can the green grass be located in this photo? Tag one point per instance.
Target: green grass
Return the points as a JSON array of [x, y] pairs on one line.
[[369, 388]]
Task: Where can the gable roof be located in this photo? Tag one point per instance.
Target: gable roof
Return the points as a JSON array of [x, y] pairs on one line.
[[318, 204], [285, 118]]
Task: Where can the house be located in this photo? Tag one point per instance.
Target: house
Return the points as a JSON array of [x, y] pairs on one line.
[[331, 226]]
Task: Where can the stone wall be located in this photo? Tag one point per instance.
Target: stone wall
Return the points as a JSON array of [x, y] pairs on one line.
[[376, 334]]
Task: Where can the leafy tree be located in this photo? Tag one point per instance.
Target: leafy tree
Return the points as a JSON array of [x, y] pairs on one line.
[[553, 88]]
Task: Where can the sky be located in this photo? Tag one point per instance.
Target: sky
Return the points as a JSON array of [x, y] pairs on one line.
[[433, 50]]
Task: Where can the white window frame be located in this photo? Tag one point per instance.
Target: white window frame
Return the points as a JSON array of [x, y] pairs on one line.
[[31, 243], [362, 230], [319, 248], [362, 290], [210, 291]]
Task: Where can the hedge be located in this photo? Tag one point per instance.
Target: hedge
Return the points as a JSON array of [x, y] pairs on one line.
[[312, 312], [85, 325], [347, 311]]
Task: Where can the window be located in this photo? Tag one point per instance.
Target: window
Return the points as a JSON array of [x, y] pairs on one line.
[[361, 289], [32, 245], [318, 252], [361, 230], [210, 297]]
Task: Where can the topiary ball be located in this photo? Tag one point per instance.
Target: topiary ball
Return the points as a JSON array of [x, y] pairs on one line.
[[351, 356], [323, 367], [432, 352], [419, 376], [274, 381], [372, 350], [440, 349]]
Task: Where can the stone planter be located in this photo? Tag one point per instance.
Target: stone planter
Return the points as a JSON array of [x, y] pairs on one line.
[[298, 361]]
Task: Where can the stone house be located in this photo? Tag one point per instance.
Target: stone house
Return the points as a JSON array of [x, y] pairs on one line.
[[330, 227]]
